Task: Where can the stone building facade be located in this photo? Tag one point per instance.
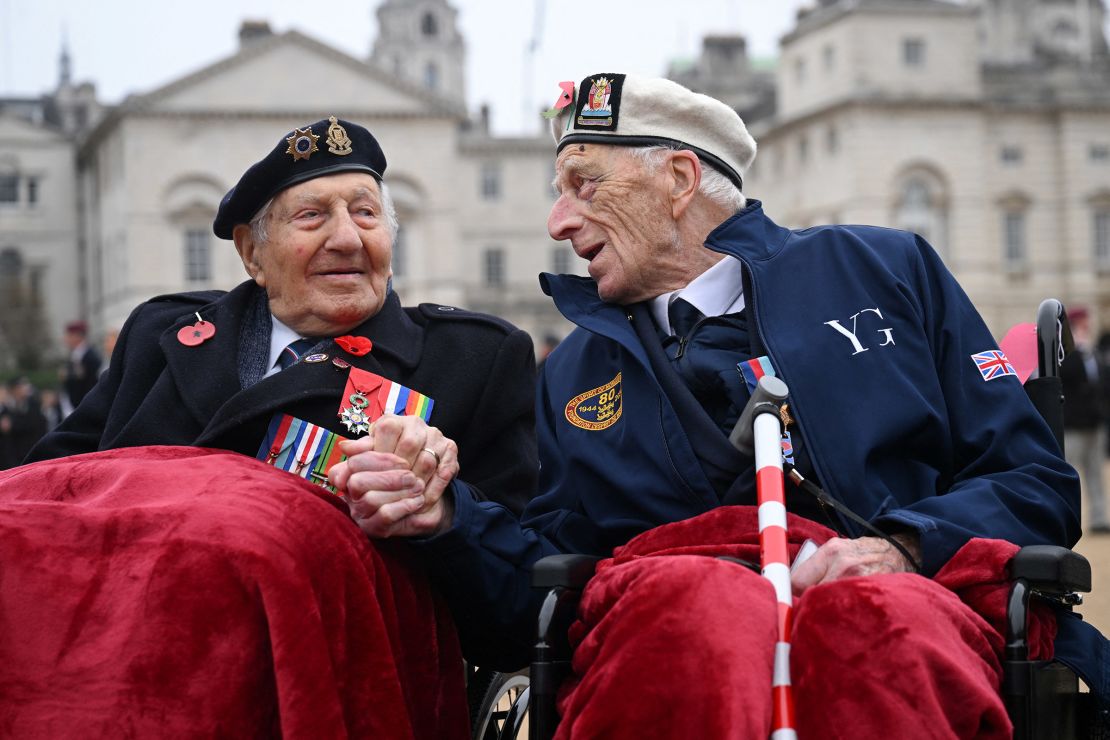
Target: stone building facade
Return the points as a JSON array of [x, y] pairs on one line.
[[984, 125]]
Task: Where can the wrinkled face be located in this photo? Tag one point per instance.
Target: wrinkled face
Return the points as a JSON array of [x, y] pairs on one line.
[[326, 260], [618, 217]]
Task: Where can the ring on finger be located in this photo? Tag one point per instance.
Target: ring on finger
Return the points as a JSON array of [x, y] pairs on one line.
[[433, 453]]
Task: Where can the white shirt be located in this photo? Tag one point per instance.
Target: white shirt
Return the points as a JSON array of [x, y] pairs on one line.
[[716, 292], [280, 337]]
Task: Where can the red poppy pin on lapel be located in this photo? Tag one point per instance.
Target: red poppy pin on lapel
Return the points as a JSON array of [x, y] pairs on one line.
[[198, 333], [357, 346]]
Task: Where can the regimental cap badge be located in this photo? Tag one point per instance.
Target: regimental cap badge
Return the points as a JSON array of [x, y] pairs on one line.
[[302, 143], [599, 100], [338, 141]]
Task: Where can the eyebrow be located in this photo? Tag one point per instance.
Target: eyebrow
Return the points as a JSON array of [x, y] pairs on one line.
[[311, 197]]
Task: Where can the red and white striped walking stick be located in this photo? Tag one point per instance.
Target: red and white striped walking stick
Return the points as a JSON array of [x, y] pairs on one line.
[[760, 430]]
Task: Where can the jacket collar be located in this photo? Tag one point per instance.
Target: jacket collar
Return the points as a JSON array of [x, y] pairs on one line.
[[206, 375], [749, 235]]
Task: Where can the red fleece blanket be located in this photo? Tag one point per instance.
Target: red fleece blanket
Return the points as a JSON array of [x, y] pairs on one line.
[[183, 592], [607, 653]]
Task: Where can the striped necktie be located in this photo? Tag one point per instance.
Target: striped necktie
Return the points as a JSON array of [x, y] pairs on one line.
[[293, 351]]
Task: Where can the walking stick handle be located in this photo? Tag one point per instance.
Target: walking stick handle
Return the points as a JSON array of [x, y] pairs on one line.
[[769, 395]]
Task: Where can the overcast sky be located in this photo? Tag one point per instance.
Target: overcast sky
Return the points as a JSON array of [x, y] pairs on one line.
[[133, 46]]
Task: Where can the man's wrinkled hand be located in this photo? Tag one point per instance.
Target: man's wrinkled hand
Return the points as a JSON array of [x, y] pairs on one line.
[[844, 558]]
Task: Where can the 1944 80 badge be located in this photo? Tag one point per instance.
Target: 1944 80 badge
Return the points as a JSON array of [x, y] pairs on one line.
[[598, 408]]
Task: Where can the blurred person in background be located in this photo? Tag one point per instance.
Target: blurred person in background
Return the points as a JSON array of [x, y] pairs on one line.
[[82, 365], [109, 346], [6, 457], [25, 423], [51, 405], [1085, 414]]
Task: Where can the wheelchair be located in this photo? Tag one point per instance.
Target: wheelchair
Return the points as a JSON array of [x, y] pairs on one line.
[[1042, 698]]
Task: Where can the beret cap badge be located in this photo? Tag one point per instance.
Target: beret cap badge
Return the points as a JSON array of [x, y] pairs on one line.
[[349, 148], [302, 143], [338, 141]]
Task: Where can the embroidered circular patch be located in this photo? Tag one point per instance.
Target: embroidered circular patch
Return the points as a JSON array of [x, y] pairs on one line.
[[596, 409]]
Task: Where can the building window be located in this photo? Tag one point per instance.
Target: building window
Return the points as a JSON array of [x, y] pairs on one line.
[[1101, 232], [198, 260], [913, 52], [829, 55], [1015, 254], [32, 191], [493, 264], [431, 76], [490, 181], [9, 188], [1010, 154], [428, 25], [800, 70], [560, 260], [922, 208], [1099, 153]]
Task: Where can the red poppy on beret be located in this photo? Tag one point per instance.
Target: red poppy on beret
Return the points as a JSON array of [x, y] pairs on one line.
[[357, 346]]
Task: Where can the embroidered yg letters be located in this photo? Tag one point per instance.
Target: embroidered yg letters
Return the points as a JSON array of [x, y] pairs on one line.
[[857, 345]]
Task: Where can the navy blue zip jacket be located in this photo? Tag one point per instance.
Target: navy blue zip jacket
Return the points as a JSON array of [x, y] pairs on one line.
[[875, 340]]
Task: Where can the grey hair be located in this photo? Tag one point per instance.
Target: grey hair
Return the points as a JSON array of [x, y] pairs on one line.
[[715, 186], [260, 231]]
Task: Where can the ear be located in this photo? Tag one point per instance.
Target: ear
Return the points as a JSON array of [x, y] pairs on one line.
[[685, 171], [245, 246]]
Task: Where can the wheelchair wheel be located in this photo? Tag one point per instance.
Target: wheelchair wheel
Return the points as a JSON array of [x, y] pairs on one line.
[[497, 701]]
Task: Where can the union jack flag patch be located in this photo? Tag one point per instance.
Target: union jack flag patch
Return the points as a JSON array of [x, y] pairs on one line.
[[993, 364]]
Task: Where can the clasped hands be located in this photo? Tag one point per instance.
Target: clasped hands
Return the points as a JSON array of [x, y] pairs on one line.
[[394, 478]]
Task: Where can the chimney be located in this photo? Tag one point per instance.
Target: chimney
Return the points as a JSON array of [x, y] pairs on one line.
[[251, 31]]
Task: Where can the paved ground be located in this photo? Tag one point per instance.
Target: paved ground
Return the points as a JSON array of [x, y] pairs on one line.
[[1096, 548], [1096, 605]]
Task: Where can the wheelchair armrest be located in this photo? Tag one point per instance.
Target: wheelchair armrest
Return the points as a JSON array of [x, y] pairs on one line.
[[1052, 569], [562, 578], [565, 571]]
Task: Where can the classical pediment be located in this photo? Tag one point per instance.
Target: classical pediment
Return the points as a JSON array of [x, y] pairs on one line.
[[290, 72]]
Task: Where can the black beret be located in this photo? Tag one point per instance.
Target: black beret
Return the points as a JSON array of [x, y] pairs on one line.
[[342, 147]]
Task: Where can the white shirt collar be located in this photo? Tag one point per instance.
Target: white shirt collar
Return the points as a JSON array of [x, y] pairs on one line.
[[716, 292], [280, 337]]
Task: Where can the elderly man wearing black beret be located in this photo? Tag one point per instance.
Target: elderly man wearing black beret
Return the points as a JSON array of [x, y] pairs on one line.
[[316, 324], [221, 597]]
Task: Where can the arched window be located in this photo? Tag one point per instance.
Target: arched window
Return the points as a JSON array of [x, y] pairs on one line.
[[922, 206], [428, 25], [190, 203], [431, 76]]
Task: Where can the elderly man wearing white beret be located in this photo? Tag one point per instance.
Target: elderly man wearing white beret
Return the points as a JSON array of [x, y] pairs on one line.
[[934, 465]]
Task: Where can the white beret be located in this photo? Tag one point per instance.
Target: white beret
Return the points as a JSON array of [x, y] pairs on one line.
[[627, 110]]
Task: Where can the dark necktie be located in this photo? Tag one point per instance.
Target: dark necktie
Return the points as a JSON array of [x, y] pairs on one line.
[[683, 316], [293, 351]]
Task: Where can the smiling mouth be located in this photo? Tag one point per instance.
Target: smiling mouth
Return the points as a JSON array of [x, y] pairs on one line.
[[339, 272]]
